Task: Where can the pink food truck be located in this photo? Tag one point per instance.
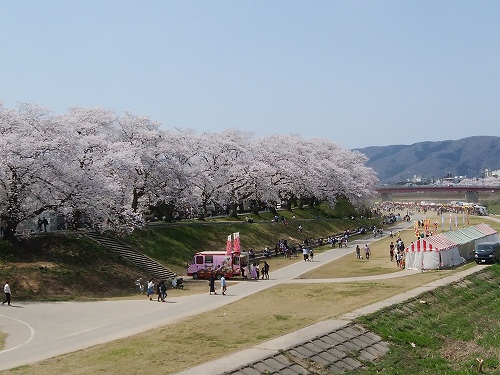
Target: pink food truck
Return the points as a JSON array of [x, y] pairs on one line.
[[218, 262]]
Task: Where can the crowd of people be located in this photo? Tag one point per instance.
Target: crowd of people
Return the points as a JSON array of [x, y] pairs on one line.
[[397, 252], [255, 270]]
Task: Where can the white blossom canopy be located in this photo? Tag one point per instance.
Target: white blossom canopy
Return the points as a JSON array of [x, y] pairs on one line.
[[115, 168]]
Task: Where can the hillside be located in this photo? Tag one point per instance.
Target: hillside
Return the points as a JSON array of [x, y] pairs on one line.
[[69, 266], [464, 157]]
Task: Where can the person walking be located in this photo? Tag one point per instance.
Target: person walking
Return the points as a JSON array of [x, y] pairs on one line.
[[367, 251], [358, 252], [253, 271], [6, 290], [45, 223], [265, 270], [163, 290], [391, 251], [151, 286], [223, 285], [211, 283], [305, 253], [158, 292]]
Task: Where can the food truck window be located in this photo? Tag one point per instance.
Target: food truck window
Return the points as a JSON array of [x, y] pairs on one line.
[[209, 258], [199, 259], [236, 261]]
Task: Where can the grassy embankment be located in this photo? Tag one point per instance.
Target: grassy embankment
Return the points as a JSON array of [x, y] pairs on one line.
[[71, 266], [456, 327], [269, 314]]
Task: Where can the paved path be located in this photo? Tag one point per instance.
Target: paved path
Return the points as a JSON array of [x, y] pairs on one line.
[[38, 331]]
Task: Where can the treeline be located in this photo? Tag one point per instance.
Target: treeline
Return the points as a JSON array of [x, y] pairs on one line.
[[116, 168]]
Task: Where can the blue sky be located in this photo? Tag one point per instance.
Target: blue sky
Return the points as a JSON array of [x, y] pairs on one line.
[[360, 73]]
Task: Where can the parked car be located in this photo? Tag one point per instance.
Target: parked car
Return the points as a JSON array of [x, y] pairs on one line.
[[487, 252]]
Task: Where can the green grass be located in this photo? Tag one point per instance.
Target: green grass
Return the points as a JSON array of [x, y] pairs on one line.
[[456, 324], [493, 206], [72, 266], [175, 244]]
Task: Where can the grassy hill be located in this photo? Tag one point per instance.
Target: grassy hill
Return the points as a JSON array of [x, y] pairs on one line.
[[175, 244], [443, 331], [63, 266]]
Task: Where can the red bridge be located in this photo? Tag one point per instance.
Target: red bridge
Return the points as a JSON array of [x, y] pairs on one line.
[[471, 192]]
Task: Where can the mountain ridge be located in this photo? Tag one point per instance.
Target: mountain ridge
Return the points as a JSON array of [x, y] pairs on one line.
[[463, 157]]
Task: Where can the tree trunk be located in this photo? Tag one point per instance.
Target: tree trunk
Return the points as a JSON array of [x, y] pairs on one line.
[[234, 210], [255, 208], [135, 199], [165, 211], [301, 203], [9, 232]]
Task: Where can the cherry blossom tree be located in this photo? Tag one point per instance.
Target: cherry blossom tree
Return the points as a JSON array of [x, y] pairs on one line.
[[100, 161], [222, 161], [115, 169], [35, 149]]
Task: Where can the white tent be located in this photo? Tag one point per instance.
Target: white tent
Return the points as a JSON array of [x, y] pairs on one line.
[[432, 253]]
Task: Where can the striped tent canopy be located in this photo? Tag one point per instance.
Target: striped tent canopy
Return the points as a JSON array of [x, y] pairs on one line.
[[491, 234], [432, 253], [485, 228], [433, 243], [462, 236]]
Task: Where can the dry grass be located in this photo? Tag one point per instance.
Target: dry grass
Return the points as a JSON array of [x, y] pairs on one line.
[[242, 324], [348, 266], [3, 336]]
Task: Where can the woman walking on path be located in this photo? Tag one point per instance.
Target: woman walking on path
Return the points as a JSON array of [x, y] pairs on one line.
[[265, 270], [151, 286], [253, 271]]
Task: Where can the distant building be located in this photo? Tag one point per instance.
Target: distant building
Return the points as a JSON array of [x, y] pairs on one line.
[[490, 173]]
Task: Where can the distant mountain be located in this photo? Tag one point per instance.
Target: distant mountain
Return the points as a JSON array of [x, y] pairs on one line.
[[464, 157]]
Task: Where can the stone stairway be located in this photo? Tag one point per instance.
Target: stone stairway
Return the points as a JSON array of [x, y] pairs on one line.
[[154, 268], [346, 349]]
